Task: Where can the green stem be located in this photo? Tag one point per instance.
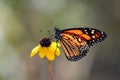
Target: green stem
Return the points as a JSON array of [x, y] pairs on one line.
[[50, 70]]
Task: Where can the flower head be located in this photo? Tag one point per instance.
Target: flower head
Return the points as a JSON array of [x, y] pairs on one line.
[[47, 49]]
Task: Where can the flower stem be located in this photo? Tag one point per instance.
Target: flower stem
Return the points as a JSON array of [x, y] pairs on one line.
[[50, 70]]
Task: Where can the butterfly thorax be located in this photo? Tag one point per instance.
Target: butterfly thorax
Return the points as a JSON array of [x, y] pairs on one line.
[[57, 33]]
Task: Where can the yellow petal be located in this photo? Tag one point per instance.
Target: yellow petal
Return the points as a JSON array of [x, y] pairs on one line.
[[50, 57], [57, 53], [35, 50], [55, 44], [58, 44], [44, 50], [41, 54], [54, 48]]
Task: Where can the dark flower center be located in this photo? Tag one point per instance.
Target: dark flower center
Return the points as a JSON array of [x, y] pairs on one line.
[[45, 42]]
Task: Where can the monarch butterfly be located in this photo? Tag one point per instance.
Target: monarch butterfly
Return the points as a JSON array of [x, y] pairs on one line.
[[76, 42]]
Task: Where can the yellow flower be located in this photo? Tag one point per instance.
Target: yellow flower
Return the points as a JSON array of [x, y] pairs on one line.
[[47, 49]]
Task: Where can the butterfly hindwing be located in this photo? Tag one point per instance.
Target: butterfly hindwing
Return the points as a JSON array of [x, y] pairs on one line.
[[73, 50]]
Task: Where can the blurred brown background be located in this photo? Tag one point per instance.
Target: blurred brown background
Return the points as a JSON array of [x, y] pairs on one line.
[[21, 23]]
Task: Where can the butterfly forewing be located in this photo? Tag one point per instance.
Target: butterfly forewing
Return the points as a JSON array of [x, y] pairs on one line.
[[90, 35]]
